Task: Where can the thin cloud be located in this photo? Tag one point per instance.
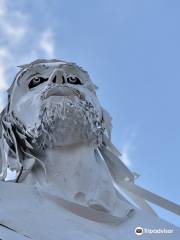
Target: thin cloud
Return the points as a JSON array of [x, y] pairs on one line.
[[13, 24], [127, 148], [47, 43], [16, 31], [5, 57], [3, 84], [2, 7], [126, 151], [13, 32]]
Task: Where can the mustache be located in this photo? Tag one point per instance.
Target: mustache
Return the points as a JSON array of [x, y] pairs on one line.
[[62, 91]]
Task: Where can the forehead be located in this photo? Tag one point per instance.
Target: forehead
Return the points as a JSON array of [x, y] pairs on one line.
[[46, 69]]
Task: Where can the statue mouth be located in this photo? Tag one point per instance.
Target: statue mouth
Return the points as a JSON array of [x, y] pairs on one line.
[[65, 91]]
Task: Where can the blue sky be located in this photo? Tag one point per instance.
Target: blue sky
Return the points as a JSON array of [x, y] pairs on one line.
[[132, 51]]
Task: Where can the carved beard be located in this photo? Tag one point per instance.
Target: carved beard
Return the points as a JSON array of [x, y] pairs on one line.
[[67, 122]]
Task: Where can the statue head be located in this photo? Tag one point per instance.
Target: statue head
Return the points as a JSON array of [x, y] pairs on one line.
[[51, 103]]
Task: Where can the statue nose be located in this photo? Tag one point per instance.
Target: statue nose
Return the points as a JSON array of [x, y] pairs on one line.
[[57, 77]]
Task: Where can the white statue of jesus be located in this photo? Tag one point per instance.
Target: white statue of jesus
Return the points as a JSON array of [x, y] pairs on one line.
[[70, 181]]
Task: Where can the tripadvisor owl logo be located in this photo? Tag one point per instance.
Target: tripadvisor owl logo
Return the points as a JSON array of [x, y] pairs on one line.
[[139, 231]]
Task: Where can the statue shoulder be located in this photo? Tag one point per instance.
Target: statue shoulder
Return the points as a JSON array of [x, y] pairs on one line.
[[8, 234]]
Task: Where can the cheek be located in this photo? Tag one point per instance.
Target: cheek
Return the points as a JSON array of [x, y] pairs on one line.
[[92, 98], [27, 108]]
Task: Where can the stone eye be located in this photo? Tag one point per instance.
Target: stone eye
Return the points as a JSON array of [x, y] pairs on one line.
[[74, 80], [37, 81]]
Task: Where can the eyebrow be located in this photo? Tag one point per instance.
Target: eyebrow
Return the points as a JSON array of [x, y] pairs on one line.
[[21, 75], [32, 75]]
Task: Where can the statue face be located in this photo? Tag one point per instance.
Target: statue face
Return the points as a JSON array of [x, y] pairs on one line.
[[57, 104]]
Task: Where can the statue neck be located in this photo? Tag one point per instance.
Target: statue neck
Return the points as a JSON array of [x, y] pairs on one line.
[[74, 173], [71, 169]]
